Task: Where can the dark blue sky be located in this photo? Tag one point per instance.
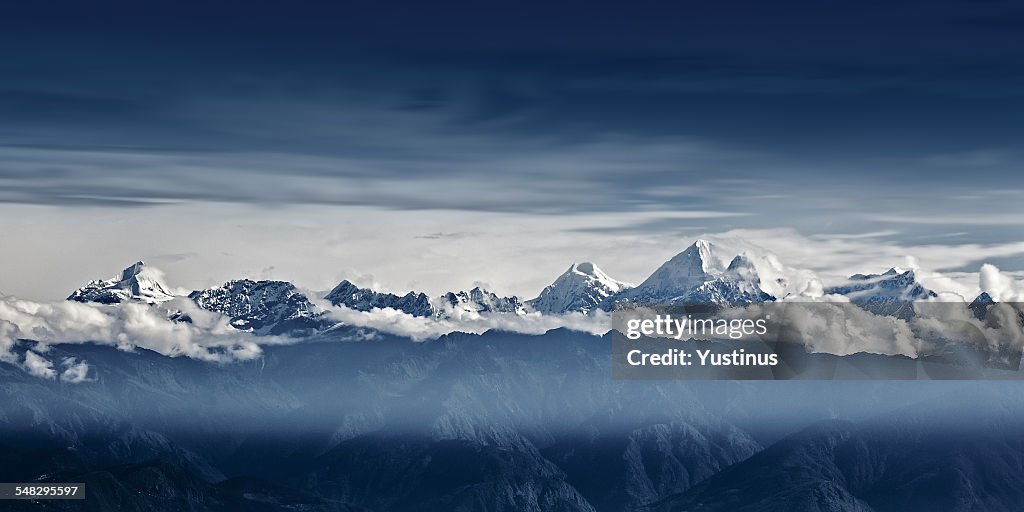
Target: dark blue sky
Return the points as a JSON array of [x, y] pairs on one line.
[[824, 91], [899, 119], [815, 82]]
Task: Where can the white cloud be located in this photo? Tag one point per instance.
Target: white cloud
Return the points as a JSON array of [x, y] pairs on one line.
[[830, 324], [8, 335], [208, 337], [420, 328], [1001, 328], [38, 365], [75, 371], [1000, 286]]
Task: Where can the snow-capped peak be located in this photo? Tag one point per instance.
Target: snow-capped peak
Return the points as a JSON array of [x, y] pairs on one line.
[[135, 283], [695, 264], [697, 276], [588, 270], [581, 288], [685, 271], [979, 306], [133, 270], [742, 267]]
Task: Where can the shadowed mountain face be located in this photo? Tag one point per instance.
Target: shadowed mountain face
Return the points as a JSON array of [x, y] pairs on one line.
[[362, 299], [491, 422], [924, 458], [263, 307]]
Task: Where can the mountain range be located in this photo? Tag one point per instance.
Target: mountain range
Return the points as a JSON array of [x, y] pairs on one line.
[[700, 274], [498, 421]]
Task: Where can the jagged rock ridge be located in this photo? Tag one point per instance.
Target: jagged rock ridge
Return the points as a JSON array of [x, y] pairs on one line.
[[479, 300], [364, 299], [263, 307]]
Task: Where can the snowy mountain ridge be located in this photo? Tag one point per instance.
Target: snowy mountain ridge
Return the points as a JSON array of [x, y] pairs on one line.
[[364, 299], [703, 273], [449, 305], [889, 293]]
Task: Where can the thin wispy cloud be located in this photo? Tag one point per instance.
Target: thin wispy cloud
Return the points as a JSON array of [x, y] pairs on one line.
[[979, 219]]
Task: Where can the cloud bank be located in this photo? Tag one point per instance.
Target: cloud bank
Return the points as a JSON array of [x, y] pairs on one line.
[[420, 328], [208, 338]]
